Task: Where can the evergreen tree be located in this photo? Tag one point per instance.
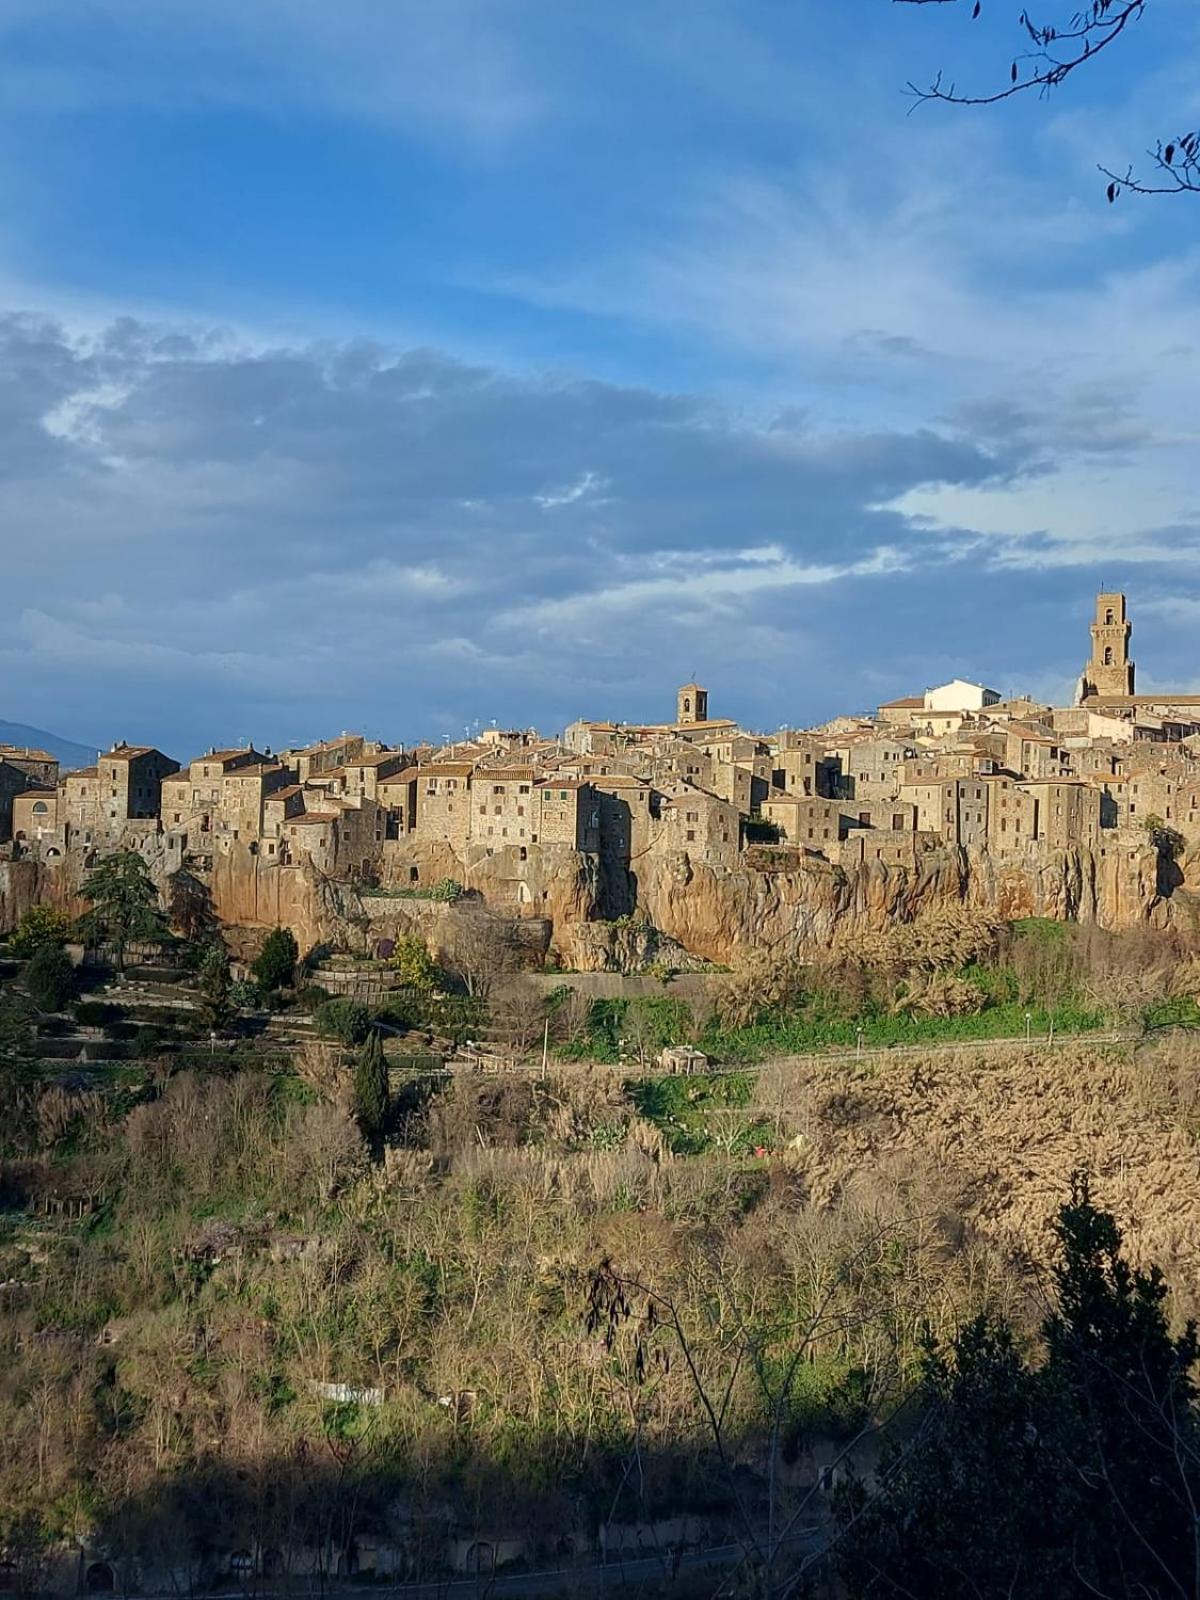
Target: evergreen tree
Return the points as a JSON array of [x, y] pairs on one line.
[[275, 964], [371, 1086], [124, 904], [215, 985], [1077, 1474]]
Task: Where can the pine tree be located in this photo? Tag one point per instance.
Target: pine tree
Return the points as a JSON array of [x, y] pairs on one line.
[[371, 1086], [124, 903]]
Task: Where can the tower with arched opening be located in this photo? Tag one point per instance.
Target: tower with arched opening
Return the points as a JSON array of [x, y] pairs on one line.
[[1110, 671]]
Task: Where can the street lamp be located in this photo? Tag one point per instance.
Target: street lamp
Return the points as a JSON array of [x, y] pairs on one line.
[[858, 1033], [1028, 1025]]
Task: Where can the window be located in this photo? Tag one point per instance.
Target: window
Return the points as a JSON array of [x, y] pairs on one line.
[[691, 835], [40, 808]]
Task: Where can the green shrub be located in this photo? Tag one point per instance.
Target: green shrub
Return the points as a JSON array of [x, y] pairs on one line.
[[50, 978], [275, 964], [39, 926], [347, 1020]]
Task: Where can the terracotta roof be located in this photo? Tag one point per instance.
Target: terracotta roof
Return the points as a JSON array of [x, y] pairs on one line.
[[908, 702], [285, 794], [406, 775], [37, 794], [126, 752], [311, 817], [377, 760], [563, 783], [83, 772], [447, 769]]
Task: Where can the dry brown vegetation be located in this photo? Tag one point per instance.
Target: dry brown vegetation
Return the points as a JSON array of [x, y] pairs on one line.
[[993, 1137]]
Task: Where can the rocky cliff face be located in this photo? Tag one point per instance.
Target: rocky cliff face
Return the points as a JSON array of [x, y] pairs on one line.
[[713, 913], [720, 914]]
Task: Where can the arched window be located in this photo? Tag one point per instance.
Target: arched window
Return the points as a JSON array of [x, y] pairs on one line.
[[40, 808], [1108, 655], [1108, 617], [687, 705]]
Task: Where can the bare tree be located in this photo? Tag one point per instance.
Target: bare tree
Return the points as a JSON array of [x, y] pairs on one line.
[[480, 949], [1054, 50]]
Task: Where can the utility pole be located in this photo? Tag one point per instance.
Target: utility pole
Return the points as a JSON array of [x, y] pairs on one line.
[[545, 1047]]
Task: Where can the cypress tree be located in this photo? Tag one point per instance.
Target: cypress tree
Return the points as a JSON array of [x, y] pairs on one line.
[[371, 1086]]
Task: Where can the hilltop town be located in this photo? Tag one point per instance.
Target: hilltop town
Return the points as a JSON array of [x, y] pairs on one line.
[[614, 818]]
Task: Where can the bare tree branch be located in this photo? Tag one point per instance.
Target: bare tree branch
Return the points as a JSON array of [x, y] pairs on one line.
[[1055, 51]]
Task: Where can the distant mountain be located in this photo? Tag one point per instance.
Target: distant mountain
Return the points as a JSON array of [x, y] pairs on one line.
[[69, 755]]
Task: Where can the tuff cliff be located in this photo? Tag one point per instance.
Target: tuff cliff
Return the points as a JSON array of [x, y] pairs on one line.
[[720, 914], [709, 912]]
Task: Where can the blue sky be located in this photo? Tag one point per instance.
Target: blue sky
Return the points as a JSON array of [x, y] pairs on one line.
[[401, 365]]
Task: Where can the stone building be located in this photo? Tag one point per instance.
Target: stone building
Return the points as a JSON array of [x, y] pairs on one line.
[[35, 821], [703, 825], [568, 811], [502, 807], [805, 820], [444, 803], [39, 766], [1068, 812]]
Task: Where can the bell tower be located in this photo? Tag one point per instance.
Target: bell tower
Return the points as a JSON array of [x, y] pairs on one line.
[[691, 704], [1110, 671]]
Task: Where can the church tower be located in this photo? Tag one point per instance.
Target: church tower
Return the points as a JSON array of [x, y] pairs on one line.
[[691, 704], [1110, 671]]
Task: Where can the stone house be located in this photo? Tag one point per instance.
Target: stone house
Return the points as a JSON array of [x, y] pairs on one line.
[[702, 824], [1011, 817], [397, 794], [568, 811], [1034, 752], [360, 777], [503, 810], [1068, 812], [805, 769], [35, 820], [129, 782], [870, 769], [39, 766], [955, 808], [629, 814], [13, 781], [805, 820], [444, 803]]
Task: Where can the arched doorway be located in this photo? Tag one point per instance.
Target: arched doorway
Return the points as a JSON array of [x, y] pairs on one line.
[[481, 1559], [99, 1578]]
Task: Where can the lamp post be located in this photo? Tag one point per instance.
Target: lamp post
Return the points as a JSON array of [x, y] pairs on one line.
[[858, 1033], [1028, 1025]]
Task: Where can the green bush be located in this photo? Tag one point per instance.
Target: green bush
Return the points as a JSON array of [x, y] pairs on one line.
[[448, 890], [39, 926], [275, 964], [50, 978], [347, 1020], [97, 1014]]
